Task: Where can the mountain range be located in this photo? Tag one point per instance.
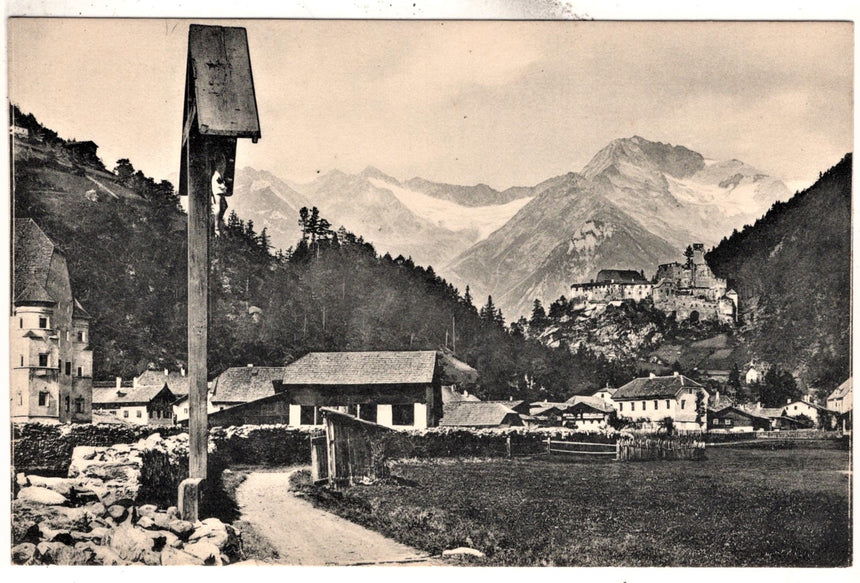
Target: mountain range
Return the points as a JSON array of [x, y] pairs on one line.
[[636, 204]]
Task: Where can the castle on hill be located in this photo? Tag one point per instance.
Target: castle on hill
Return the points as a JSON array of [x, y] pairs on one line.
[[690, 289]]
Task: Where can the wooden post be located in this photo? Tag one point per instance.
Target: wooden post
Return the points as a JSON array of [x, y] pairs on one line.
[[508, 446], [548, 445], [199, 216], [220, 106]]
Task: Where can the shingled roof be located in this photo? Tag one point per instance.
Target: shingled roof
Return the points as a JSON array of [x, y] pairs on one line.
[[842, 390], [654, 387], [620, 276], [176, 382], [362, 368], [478, 414], [595, 403], [32, 258], [242, 384], [128, 396]]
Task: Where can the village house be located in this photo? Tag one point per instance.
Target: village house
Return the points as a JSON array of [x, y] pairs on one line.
[[243, 384], [841, 400], [800, 407], [605, 394], [143, 405], [395, 389], [587, 413], [727, 418], [176, 381], [653, 398], [479, 415], [180, 406], [51, 360]]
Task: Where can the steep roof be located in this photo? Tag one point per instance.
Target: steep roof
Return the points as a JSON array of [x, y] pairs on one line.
[[654, 387], [592, 402], [177, 382], [610, 390], [478, 414], [620, 276], [362, 368], [732, 409], [132, 396], [79, 313], [246, 383], [842, 390], [449, 395], [455, 371], [33, 251]]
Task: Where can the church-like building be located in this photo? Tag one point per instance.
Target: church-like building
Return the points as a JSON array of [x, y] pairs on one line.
[[51, 364]]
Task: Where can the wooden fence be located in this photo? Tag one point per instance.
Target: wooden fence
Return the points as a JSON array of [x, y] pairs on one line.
[[582, 448], [348, 452], [646, 449]]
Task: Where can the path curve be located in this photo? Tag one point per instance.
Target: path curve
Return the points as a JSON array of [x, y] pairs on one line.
[[304, 535]]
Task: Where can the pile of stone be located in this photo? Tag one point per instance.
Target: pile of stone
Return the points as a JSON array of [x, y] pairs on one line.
[[94, 517]]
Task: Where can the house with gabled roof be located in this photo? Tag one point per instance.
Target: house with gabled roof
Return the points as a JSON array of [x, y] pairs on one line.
[[176, 381], [587, 413], [653, 398], [50, 354], [243, 384], [841, 399], [399, 389], [479, 415], [142, 405], [731, 419]]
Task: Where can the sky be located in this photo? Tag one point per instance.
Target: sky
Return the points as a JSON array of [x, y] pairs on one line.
[[501, 103]]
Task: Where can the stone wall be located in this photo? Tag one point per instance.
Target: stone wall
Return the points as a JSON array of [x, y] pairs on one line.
[[117, 507]]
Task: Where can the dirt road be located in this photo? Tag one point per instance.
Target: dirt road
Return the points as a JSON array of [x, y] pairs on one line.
[[304, 535]]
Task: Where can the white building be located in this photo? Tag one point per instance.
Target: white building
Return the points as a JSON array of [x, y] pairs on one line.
[[653, 398]]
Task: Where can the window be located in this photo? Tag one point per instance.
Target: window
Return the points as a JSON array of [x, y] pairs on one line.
[[655, 405], [138, 414], [185, 410], [68, 404], [68, 369], [667, 404], [112, 412], [125, 414], [367, 412], [632, 405], [20, 322], [644, 408], [683, 402], [727, 422], [80, 336], [43, 322], [43, 399], [20, 398], [80, 372], [22, 360], [43, 360], [307, 415], [403, 414], [621, 406], [79, 405], [352, 410]]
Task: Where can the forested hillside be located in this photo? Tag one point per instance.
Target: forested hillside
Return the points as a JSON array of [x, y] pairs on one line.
[[124, 237], [792, 269]]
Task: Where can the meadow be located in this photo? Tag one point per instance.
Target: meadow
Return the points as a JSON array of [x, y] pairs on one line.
[[740, 507]]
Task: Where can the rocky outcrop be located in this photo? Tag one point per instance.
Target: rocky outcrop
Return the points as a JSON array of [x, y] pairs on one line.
[[103, 513]]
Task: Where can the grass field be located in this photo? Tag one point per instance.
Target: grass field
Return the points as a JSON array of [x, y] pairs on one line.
[[740, 507]]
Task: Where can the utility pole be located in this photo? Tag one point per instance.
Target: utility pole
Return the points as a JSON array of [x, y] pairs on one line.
[[220, 106]]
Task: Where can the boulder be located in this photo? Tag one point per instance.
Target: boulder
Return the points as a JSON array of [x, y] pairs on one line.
[[151, 558], [55, 535], [95, 509], [60, 485], [117, 513], [205, 551], [24, 554], [177, 557], [106, 556], [147, 510], [54, 553], [173, 512], [96, 535], [21, 480], [181, 528], [129, 543], [41, 495], [211, 529], [161, 521], [24, 530], [80, 496], [147, 523]]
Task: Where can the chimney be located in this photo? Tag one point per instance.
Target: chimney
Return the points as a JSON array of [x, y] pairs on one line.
[[465, 393], [787, 400], [717, 397], [675, 373], [118, 382], [182, 370], [166, 372]]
